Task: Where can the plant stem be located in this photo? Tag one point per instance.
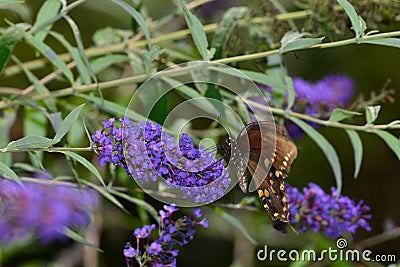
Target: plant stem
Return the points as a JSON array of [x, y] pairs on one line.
[[50, 149]]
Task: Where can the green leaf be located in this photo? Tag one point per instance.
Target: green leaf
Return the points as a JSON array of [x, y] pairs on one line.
[[49, 53], [137, 17], [291, 92], [149, 57], [102, 63], [85, 163], [197, 31], [274, 77], [76, 56], [81, 48], [393, 42], [104, 192], [358, 24], [8, 40], [146, 206], [339, 114], [326, 147], [80, 239], [7, 170], [7, 120], [225, 28], [392, 141], [236, 223], [66, 125], [358, 150], [371, 113], [48, 10], [39, 87], [30, 142], [190, 93], [35, 123], [114, 108], [294, 41]]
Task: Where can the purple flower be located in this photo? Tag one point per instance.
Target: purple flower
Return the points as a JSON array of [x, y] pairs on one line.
[[154, 248], [141, 232], [318, 99], [316, 210], [42, 209], [172, 235], [148, 153]]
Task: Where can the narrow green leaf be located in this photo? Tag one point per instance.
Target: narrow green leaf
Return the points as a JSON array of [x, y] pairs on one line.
[[146, 206], [339, 114], [175, 53], [80, 239], [137, 17], [35, 123], [358, 150], [49, 53], [236, 223], [393, 42], [76, 56], [7, 120], [85, 163], [48, 10], [66, 125], [8, 40], [102, 63], [7, 170], [149, 57], [81, 48], [358, 24], [190, 93], [325, 146], [371, 113], [114, 108], [294, 41], [225, 28], [39, 87], [392, 141], [395, 122], [291, 92], [104, 192], [197, 31], [30, 142], [274, 77]]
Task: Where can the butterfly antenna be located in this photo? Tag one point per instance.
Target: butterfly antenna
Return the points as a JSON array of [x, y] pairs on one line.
[[294, 230]]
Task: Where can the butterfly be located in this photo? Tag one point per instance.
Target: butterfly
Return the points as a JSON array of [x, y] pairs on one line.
[[270, 156]]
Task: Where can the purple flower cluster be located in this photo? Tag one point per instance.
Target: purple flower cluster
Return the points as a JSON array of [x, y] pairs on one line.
[[147, 153], [319, 99], [44, 209], [318, 211], [172, 234]]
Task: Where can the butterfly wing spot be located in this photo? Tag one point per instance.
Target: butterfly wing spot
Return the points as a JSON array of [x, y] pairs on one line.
[[276, 173], [267, 162], [282, 187], [285, 163], [276, 214]]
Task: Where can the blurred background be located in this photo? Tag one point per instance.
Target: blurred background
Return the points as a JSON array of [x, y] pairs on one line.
[[372, 68]]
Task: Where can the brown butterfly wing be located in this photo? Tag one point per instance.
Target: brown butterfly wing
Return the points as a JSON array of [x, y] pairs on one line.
[[267, 146], [285, 152], [271, 192]]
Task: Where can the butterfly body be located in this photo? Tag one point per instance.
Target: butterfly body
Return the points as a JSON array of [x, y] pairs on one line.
[[270, 155]]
